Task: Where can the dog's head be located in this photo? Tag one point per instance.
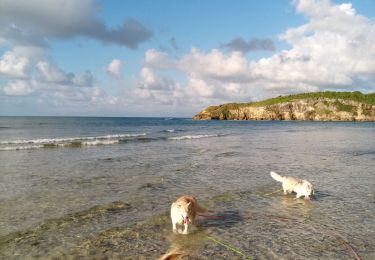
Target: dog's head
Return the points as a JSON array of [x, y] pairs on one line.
[[185, 209], [309, 190]]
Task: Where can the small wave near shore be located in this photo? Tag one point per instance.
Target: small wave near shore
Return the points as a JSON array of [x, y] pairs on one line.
[[29, 144], [85, 141]]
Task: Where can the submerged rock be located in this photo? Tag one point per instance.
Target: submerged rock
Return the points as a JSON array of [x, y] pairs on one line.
[[53, 235]]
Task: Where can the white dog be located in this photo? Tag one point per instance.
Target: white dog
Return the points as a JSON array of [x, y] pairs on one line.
[[291, 184], [183, 212]]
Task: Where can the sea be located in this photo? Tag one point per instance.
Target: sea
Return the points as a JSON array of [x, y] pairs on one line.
[[101, 187]]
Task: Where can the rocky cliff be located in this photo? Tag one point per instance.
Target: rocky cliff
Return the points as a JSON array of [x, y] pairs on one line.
[[320, 106]]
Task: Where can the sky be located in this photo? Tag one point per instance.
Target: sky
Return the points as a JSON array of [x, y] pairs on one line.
[[175, 57]]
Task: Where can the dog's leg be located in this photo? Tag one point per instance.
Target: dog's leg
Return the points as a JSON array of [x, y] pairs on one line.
[[174, 228], [298, 196], [285, 190], [186, 226]]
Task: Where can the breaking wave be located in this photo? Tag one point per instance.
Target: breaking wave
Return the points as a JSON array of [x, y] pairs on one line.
[[187, 137], [16, 148], [30, 144], [85, 141]]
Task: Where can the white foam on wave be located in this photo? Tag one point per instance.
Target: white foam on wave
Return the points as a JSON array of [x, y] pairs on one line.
[[187, 137], [70, 139], [16, 145], [25, 147], [41, 141], [170, 130], [100, 142], [119, 136]]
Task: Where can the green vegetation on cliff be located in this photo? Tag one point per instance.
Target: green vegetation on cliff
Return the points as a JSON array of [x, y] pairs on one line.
[[326, 103], [355, 96]]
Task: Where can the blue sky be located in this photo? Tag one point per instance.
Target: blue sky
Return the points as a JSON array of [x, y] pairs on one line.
[[173, 58]]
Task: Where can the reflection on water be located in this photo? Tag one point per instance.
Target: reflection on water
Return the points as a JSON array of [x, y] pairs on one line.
[[112, 201]]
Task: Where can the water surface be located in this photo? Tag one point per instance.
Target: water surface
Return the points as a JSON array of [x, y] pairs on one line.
[[84, 187]]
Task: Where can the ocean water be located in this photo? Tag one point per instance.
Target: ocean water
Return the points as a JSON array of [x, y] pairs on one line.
[[102, 187]]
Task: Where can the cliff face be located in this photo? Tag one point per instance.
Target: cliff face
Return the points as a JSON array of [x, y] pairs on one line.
[[318, 109]]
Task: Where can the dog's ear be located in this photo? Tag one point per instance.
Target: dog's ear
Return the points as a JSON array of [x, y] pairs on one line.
[[189, 204]]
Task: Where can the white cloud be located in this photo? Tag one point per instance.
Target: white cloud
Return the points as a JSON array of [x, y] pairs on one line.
[[199, 87], [323, 8], [29, 71], [114, 69], [147, 77], [157, 59], [204, 84], [85, 79], [18, 88], [51, 73], [157, 88], [334, 49], [216, 65], [13, 66], [233, 88]]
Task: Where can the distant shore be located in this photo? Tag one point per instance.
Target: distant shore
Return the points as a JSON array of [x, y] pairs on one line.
[[319, 106]]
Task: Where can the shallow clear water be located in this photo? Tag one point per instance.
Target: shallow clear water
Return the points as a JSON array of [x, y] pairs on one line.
[[84, 187]]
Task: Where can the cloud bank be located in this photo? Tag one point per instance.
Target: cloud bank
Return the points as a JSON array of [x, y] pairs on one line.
[[31, 22], [27, 69], [334, 50]]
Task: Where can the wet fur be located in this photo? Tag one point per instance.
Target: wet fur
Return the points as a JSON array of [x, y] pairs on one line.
[[183, 213], [292, 184]]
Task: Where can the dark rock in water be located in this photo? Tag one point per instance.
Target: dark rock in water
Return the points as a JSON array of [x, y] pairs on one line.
[[149, 185], [118, 205]]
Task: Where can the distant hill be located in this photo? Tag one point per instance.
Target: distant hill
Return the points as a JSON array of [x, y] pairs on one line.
[[317, 106]]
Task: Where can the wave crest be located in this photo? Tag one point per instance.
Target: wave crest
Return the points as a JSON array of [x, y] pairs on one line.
[[14, 145], [187, 137]]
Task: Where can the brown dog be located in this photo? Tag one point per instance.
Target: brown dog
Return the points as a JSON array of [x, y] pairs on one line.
[[183, 212]]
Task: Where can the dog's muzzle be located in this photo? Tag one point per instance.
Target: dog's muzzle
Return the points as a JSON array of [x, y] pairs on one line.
[[185, 219]]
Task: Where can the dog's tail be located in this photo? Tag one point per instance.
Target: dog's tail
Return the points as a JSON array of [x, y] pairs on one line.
[[277, 177]]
